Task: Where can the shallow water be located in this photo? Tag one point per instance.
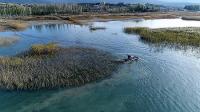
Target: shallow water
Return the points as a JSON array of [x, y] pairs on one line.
[[163, 80]]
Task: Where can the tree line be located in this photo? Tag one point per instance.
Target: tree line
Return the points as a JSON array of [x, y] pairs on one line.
[[23, 10], [192, 7], [7, 9]]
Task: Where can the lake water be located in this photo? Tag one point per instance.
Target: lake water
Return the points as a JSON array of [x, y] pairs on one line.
[[165, 79]]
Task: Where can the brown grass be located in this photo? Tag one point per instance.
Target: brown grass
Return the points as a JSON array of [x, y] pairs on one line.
[[171, 36], [41, 49], [6, 41], [17, 25], [68, 67]]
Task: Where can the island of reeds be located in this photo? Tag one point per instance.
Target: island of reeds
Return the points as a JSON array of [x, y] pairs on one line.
[[180, 36], [6, 41], [47, 66]]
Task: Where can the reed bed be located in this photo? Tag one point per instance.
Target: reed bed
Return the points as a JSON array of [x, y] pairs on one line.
[[18, 25], [6, 41], [14, 25], [195, 18], [63, 67], [40, 49], [171, 36]]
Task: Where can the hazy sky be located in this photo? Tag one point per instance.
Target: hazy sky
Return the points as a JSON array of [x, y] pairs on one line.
[[194, 1]]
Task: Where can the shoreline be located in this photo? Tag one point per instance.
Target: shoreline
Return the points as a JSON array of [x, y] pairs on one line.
[[22, 22], [191, 18]]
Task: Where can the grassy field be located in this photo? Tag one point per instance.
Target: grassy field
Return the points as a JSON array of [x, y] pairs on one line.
[[50, 66], [181, 36]]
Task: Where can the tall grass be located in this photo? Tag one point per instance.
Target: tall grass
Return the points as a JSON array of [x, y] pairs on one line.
[[6, 41], [180, 37], [196, 18], [16, 25], [40, 49], [68, 67]]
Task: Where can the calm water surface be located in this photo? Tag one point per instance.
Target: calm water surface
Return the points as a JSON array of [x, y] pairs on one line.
[[164, 80]]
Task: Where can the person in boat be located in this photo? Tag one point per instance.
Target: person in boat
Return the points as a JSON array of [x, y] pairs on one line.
[[131, 58]]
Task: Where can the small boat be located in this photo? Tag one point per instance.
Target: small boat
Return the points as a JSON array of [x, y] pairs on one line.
[[128, 60]]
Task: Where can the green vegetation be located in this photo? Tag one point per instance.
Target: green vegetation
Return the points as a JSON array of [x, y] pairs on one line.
[[192, 7], [171, 36], [8, 9], [50, 66], [145, 8], [40, 49]]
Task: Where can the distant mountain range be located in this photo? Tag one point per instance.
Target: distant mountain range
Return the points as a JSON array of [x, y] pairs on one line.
[[161, 2], [79, 1]]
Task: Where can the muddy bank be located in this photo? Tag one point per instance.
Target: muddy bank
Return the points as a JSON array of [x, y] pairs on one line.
[[22, 22]]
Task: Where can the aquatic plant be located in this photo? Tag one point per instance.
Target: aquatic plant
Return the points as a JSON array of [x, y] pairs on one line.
[[40, 49], [16, 25], [97, 28], [196, 18], [171, 36], [6, 41], [68, 67]]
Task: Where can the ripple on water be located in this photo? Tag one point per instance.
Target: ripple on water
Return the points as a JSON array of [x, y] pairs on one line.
[[165, 79]]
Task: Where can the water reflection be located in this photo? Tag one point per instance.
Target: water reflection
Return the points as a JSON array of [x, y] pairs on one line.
[[51, 27], [138, 20], [166, 78], [38, 27]]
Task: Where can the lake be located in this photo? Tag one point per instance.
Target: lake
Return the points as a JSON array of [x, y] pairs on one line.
[[165, 79]]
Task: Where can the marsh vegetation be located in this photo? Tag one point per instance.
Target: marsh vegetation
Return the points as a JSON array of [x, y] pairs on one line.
[[180, 36], [14, 25], [195, 18], [50, 66], [6, 41]]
